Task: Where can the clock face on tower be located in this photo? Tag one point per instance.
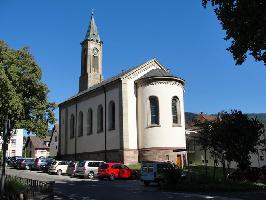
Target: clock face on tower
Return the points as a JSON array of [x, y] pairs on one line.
[[95, 51]]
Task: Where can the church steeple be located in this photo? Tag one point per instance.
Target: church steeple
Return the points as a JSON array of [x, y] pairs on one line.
[[92, 33], [91, 58]]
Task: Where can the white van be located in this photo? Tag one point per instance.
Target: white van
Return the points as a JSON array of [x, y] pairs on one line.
[[152, 171], [87, 168], [58, 167]]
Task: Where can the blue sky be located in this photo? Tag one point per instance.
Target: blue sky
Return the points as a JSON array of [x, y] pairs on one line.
[[182, 35]]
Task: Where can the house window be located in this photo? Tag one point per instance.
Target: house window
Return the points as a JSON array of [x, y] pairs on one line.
[[89, 121], [13, 142], [80, 127], [55, 138], [111, 115], [13, 153], [176, 113], [100, 118], [72, 126], [154, 110]]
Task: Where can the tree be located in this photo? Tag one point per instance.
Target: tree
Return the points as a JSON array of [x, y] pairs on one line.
[[23, 96], [23, 100], [245, 24], [242, 137], [232, 137]]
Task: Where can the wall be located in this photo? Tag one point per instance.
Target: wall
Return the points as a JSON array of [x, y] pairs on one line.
[[17, 146], [96, 141], [166, 134], [54, 144]]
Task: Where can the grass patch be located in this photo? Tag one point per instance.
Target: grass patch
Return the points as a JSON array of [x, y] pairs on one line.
[[199, 171], [135, 166]]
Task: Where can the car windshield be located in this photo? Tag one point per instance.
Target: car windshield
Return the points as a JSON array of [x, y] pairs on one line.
[[54, 163], [81, 164], [72, 164], [104, 166]]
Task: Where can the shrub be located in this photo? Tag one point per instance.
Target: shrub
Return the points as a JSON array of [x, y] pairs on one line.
[[14, 185]]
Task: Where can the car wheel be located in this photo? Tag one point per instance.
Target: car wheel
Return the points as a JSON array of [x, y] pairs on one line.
[[112, 177], [59, 172], [91, 175], [146, 183]]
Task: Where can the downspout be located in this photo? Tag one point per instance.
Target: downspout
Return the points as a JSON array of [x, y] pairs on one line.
[[76, 123], [105, 142]]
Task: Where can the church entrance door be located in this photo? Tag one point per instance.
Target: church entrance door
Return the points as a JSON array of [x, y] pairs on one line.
[[178, 161]]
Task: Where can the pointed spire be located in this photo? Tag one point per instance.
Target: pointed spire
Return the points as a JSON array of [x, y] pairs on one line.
[[92, 33]]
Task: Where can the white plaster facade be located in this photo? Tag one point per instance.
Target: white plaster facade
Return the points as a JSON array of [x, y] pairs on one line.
[[15, 144], [132, 139]]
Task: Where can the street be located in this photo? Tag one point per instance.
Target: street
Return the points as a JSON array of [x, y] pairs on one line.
[[85, 189]]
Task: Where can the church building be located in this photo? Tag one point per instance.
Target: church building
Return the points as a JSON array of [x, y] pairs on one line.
[[134, 116]]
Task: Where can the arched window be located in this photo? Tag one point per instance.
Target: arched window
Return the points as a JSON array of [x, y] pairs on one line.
[[80, 127], [100, 118], [176, 113], [72, 126], [111, 115], [95, 63], [89, 121], [154, 110]]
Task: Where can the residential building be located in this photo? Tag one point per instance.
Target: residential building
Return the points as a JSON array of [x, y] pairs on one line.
[[196, 154], [136, 115], [37, 147], [53, 144], [15, 144]]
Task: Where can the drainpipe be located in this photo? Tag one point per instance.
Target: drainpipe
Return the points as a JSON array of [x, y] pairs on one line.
[[76, 123], [105, 150], [105, 141]]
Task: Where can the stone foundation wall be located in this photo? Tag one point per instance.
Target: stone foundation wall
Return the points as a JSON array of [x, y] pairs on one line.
[[157, 154], [131, 156]]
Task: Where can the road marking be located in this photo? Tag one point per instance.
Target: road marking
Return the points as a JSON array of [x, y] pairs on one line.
[[191, 195]]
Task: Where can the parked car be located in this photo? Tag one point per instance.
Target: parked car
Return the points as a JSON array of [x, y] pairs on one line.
[[154, 171], [47, 165], [38, 163], [25, 163], [13, 161], [114, 170], [87, 168], [58, 167], [71, 168]]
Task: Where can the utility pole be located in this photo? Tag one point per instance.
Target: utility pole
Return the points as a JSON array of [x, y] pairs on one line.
[[4, 147]]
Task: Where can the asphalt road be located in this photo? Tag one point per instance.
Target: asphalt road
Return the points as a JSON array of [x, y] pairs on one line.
[[85, 189]]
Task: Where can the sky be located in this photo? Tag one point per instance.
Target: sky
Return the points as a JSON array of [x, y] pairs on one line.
[[182, 35]]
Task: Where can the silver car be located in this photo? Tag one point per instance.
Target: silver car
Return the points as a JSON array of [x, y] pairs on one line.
[[87, 168]]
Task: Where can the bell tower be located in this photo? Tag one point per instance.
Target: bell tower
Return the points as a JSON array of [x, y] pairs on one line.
[[91, 58]]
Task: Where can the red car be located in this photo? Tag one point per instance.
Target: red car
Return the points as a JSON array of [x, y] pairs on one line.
[[114, 170]]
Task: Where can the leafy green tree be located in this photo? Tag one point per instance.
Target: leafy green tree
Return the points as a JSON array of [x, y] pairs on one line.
[[245, 24], [241, 136], [232, 137], [23, 96]]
